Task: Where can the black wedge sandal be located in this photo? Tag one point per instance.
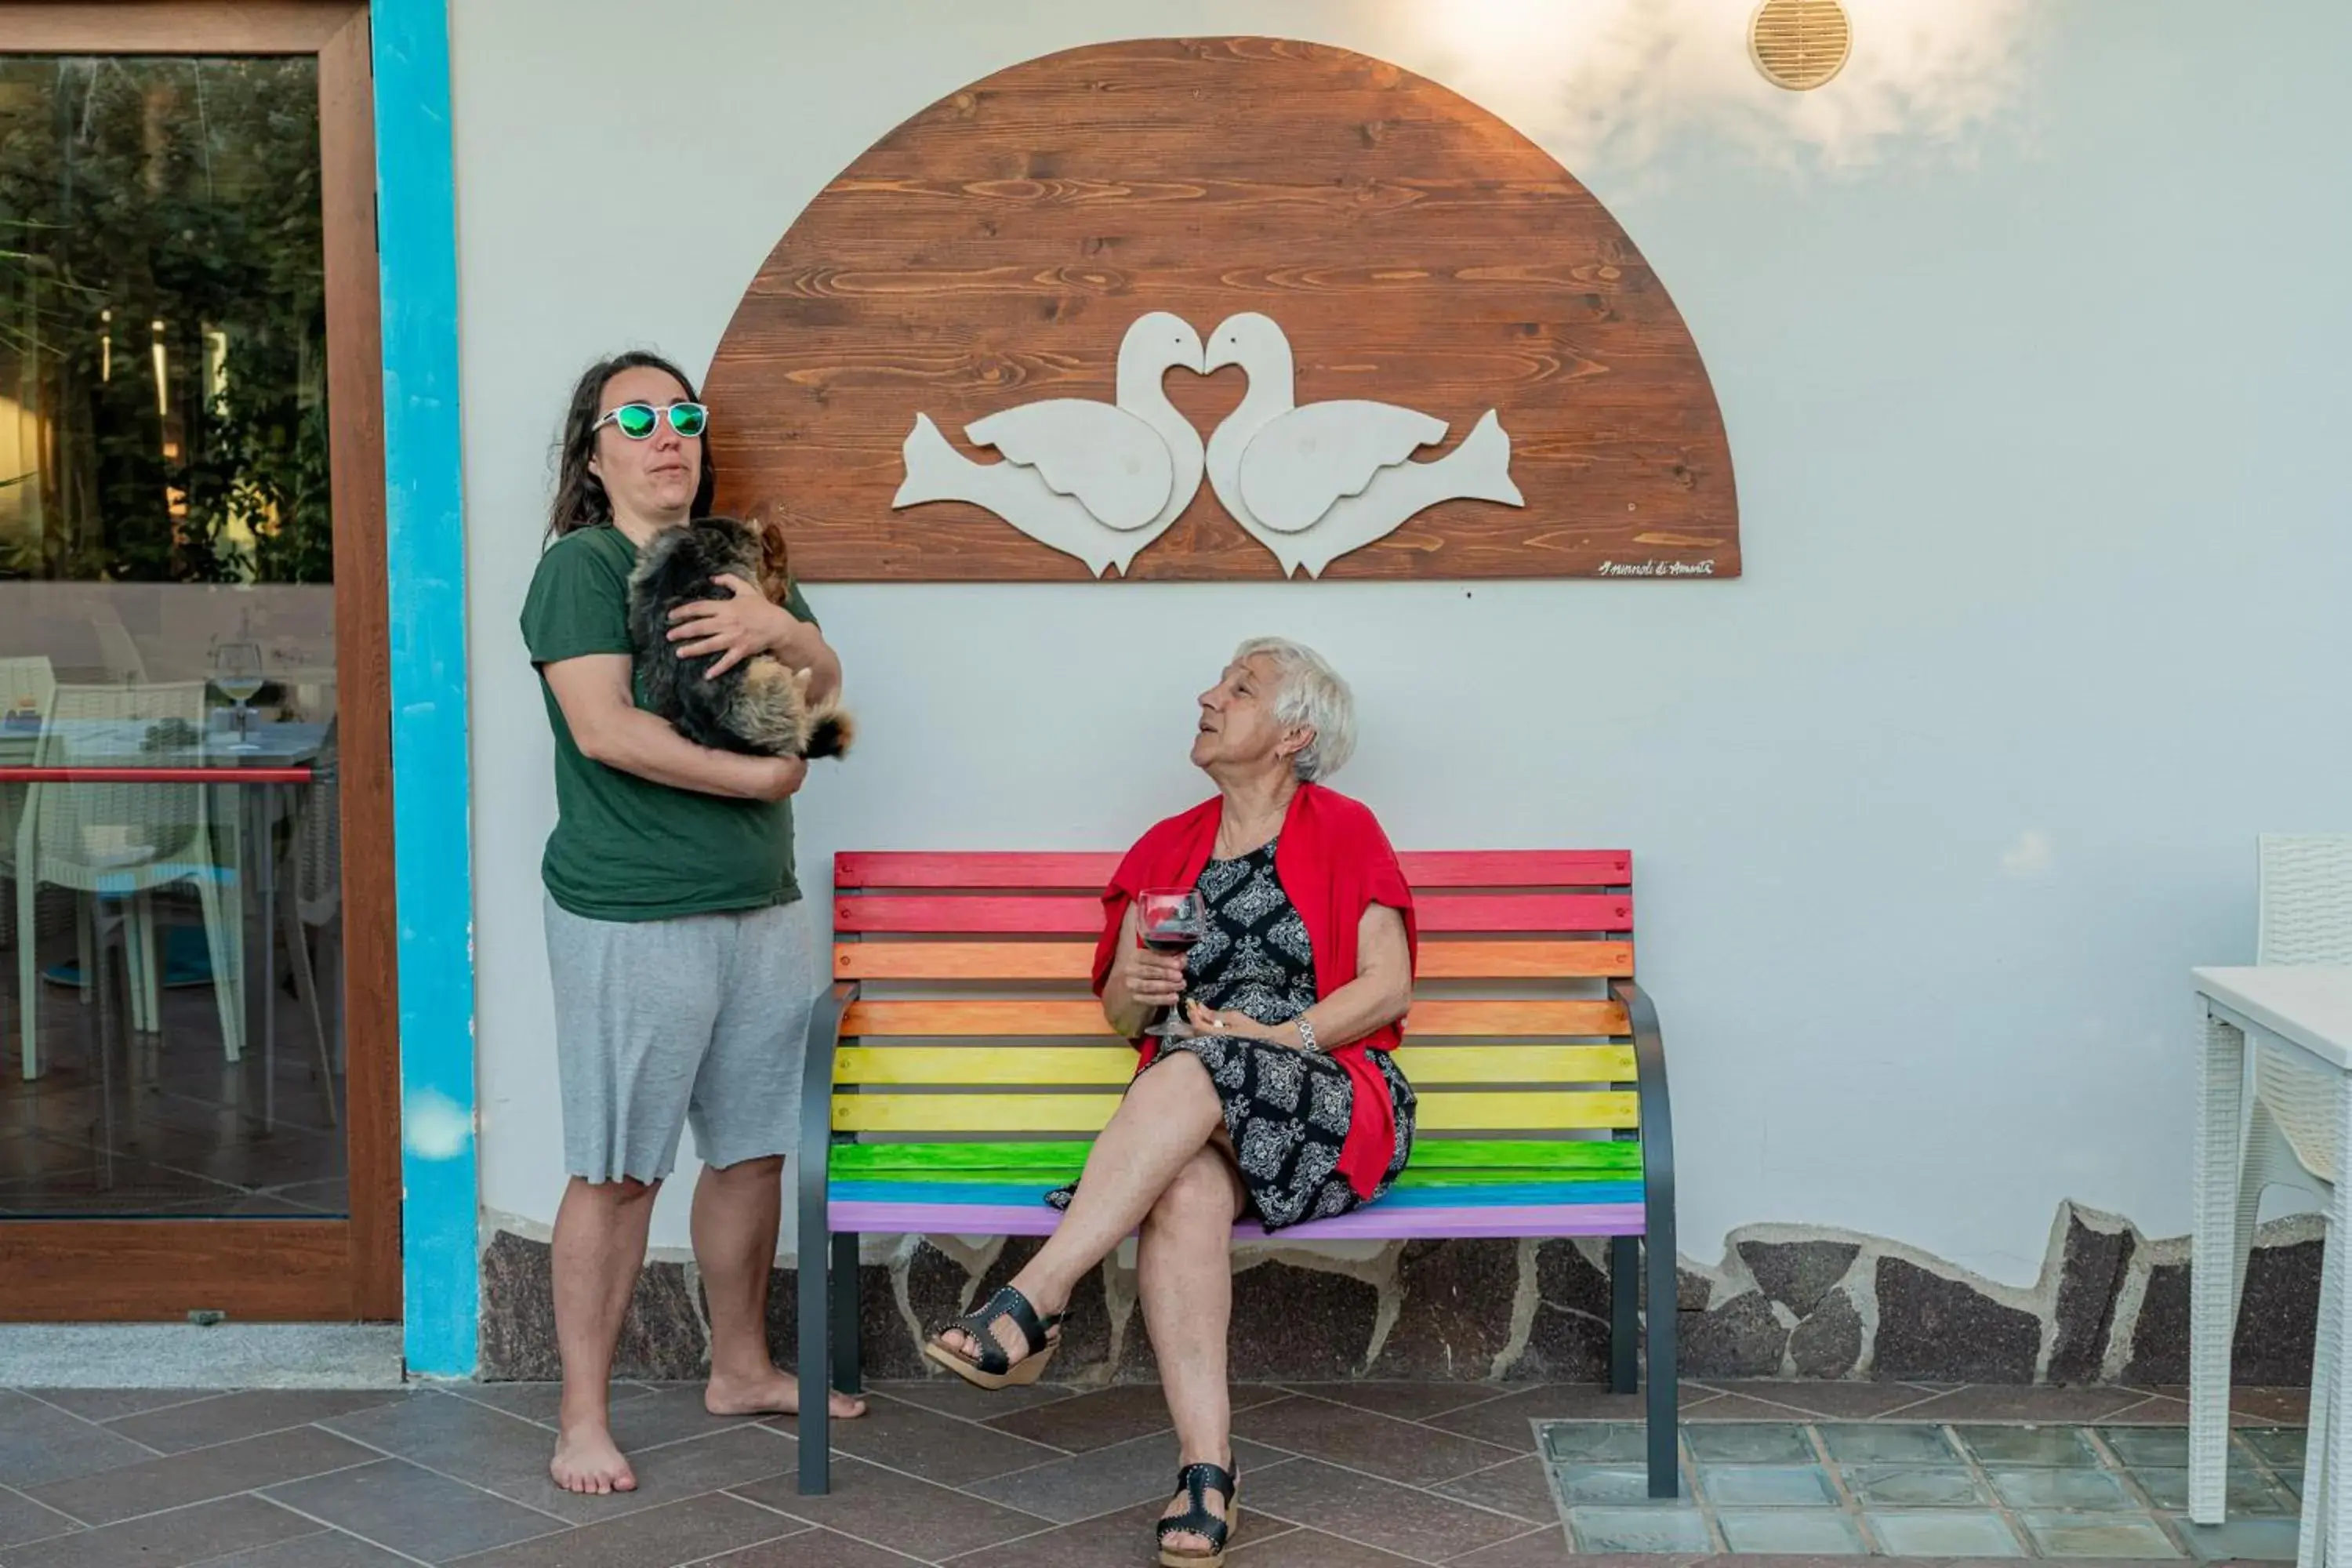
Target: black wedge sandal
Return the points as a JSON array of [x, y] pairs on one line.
[[1198, 1481], [992, 1368]]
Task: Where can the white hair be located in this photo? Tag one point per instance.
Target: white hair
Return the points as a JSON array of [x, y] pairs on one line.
[[1310, 694]]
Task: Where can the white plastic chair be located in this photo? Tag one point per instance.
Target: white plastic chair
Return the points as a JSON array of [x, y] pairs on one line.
[[310, 895], [27, 685], [126, 840], [2304, 917], [117, 648]]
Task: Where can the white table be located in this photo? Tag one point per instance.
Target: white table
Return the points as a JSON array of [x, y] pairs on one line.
[[2305, 1012], [248, 819]]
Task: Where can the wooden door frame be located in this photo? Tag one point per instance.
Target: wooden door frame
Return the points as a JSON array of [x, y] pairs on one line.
[[281, 1270]]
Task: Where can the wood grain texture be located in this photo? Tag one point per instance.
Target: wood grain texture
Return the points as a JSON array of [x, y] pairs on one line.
[[1012, 916], [1049, 915], [1515, 1064], [1536, 959], [977, 869], [978, 1019], [175, 26], [1009, 960], [160, 1270], [1528, 912], [1049, 1163], [1447, 1110], [1387, 1221], [994, 249], [993, 869], [1533, 1111], [972, 1113], [1021, 1019], [1516, 868], [1067, 1066], [963, 961], [1515, 1019], [1057, 1066], [370, 932]]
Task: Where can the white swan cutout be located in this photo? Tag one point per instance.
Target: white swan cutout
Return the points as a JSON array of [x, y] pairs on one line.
[[1095, 481], [1312, 484]]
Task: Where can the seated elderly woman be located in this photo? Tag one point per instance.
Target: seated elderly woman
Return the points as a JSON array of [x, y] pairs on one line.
[[1282, 1104]]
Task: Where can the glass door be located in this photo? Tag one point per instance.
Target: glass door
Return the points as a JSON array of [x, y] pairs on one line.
[[196, 1082]]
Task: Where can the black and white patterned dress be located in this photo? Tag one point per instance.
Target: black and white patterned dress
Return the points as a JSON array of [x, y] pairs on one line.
[[1288, 1111]]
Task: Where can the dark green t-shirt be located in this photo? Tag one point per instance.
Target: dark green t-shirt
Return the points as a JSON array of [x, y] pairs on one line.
[[626, 848]]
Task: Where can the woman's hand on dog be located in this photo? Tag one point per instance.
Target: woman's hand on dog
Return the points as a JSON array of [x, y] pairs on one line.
[[781, 776], [738, 627]]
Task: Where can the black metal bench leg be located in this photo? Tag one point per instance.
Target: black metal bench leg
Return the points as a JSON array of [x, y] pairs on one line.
[[1657, 1238], [1663, 1412], [848, 1353], [815, 1426], [1624, 1313], [822, 1337]]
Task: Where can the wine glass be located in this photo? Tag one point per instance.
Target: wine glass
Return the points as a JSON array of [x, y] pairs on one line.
[[236, 670], [1171, 920]]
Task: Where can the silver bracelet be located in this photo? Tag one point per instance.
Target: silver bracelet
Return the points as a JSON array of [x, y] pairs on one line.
[[1306, 1034]]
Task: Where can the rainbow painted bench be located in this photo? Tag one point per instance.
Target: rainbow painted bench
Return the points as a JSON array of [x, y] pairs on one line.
[[959, 1067]]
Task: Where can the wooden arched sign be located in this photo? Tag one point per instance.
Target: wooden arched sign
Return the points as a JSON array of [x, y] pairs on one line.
[[1487, 378]]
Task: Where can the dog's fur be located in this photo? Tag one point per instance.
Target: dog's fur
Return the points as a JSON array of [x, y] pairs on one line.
[[760, 708]]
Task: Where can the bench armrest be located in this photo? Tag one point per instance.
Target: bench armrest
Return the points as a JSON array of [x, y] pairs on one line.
[[1657, 1111], [815, 1247], [816, 1104], [1658, 1228]]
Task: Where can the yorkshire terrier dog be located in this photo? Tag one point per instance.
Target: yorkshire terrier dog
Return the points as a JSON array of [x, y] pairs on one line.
[[760, 706]]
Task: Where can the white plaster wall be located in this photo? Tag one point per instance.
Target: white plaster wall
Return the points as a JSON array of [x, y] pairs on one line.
[[2029, 338]]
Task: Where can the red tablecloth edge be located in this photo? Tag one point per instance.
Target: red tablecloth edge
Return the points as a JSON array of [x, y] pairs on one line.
[[230, 775]]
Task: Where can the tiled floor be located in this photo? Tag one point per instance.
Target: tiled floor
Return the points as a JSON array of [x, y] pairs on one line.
[[1332, 1475], [1924, 1489], [189, 1137]]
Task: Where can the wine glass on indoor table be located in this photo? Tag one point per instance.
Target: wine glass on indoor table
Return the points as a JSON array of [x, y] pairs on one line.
[[236, 671]]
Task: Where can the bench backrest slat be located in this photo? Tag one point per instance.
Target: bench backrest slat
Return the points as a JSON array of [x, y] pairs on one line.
[[1451, 1158], [1435, 1017], [1060, 914], [1423, 869], [1440, 1110], [1446, 959], [1066, 1066]]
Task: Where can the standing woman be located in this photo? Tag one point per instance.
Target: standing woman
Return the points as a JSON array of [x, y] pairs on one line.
[[684, 962]]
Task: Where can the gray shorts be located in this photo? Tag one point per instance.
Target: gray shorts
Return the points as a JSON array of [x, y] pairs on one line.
[[660, 1022]]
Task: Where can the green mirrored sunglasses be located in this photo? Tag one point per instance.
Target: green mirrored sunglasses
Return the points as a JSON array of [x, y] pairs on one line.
[[639, 420]]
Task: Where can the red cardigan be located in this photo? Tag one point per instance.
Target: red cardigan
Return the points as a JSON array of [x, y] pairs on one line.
[[1334, 862]]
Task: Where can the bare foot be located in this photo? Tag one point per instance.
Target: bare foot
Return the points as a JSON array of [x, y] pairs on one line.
[[776, 1394], [587, 1461]]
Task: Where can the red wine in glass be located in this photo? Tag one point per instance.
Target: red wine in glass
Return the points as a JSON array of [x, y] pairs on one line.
[[1171, 920]]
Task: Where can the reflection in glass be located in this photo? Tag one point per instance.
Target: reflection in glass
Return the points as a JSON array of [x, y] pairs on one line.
[[168, 947], [237, 672]]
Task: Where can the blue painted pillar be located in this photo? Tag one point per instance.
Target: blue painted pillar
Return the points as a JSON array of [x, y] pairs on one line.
[[425, 528]]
